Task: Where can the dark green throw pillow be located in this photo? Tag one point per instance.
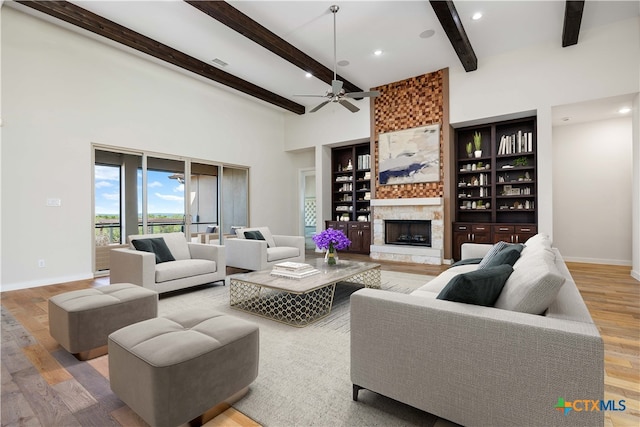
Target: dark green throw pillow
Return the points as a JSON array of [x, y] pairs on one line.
[[509, 255], [254, 235], [466, 262], [479, 287], [156, 246]]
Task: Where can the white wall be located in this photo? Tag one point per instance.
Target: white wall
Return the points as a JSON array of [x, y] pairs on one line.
[[592, 177], [635, 210], [62, 92]]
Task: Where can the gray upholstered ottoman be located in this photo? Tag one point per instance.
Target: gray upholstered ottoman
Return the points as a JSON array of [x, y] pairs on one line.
[[171, 370], [81, 321]]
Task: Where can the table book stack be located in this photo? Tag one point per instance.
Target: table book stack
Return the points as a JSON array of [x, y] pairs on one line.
[[294, 270]]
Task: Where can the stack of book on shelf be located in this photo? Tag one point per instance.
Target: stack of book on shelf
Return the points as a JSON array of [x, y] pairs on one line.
[[294, 270]]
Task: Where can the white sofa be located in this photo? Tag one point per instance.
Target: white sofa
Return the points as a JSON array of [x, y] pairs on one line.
[[482, 365], [195, 264], [251, 254]]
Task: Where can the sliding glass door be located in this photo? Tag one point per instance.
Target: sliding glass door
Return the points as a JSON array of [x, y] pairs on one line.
[[138, 193]]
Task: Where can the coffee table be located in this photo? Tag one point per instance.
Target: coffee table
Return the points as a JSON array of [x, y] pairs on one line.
[[298, 302]]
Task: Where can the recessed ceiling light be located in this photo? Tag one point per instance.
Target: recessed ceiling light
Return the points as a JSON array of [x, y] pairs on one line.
[[624, 110], [426, 34], [219, 62], [476, 16], [343, 63], [308, 75], [377, 52]]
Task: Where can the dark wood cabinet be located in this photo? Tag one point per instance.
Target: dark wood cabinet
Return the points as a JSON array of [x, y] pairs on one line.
[[358, 232], [469, 233], [496, 185]]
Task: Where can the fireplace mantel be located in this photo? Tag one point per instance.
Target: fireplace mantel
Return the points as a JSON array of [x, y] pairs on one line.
[[426, 201]]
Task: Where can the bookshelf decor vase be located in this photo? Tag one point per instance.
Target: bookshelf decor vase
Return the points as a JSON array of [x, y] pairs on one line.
[[331, 255]]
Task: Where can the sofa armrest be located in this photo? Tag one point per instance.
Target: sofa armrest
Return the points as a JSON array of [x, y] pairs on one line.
[[441, 356], [246, 254], [210, 252], [291, 241], [131, 266], [474, 250]]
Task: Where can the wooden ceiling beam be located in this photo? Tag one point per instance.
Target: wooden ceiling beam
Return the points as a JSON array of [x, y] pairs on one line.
[[572, 19], [83, 18], [231, 17], [452, 25]]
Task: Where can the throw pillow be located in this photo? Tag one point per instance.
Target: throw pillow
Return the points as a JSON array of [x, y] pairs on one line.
[[479, 287], [531, 289], [495, 249], [254, 235], [156, 246], [467, 261], [509, 255]]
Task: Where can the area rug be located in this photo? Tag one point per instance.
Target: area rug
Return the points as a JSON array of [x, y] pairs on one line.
[[303, 377]]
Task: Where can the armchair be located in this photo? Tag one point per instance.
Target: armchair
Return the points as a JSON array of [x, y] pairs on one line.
[[260, 251], [194, 264]]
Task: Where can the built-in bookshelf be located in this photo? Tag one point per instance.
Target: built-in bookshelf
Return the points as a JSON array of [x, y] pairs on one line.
[[351, 194], [351, 183], [495, 178]]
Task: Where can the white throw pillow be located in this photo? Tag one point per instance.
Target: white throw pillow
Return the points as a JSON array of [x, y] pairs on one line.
[[539, 240], [532, 287]]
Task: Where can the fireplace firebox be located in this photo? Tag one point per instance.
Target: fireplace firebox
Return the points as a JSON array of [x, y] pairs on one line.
[[407, 232]]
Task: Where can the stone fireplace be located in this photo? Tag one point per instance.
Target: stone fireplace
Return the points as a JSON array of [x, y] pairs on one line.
[[417, 213]]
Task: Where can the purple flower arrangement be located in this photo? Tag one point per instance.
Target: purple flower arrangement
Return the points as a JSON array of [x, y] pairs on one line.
[[330, 237]]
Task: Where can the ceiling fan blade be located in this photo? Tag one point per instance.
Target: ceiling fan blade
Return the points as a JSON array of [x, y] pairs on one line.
[[336, 86], [349, 105], [371, 94], [313, 96], [319, 106]]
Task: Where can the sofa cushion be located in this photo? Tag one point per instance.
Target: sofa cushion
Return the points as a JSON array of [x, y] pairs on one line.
[[495, 250], [436, 284], [178, 245], [156, 246], [539, 240], [509, 255], [480, 287], [183, 268], [532, 286], [281, 252], [255, 235]]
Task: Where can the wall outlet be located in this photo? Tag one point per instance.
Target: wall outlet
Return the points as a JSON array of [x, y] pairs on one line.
[[41, 263], [54, 202]]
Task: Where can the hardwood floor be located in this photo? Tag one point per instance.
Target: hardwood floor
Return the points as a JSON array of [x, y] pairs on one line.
[[42, 385]]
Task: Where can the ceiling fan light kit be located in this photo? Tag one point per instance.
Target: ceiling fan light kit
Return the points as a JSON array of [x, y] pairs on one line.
[[337, 93]]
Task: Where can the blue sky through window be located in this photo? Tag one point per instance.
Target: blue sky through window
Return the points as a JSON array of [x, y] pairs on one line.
[[165, 195]]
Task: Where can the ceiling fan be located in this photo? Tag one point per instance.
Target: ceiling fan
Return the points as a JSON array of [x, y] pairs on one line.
[[337, 93]]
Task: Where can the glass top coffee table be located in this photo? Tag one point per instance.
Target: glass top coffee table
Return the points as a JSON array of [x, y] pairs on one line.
[[298, 302]]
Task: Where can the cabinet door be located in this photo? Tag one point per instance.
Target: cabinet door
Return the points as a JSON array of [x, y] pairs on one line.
[[503, 233], [524, 232], [459, 237]]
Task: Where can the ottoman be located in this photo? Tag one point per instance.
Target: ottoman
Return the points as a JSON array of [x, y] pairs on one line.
[[81, 321], [171, 370]]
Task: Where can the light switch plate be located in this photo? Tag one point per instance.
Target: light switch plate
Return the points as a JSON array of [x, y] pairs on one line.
[[54, 202]]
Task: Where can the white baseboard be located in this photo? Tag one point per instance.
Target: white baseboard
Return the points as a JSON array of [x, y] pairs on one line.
[[636, 275], [44, 282], [598, 261]]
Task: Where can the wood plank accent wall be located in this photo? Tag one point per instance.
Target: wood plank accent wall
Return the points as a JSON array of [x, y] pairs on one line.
[[410, 103]]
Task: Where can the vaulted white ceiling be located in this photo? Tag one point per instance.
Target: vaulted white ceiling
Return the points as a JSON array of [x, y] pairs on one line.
[[395, 27]]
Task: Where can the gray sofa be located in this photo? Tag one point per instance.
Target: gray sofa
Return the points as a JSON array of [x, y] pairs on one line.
[[479, 365], [195, 264]]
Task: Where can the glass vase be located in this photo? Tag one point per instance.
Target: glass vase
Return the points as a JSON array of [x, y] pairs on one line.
[[331, 256]]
